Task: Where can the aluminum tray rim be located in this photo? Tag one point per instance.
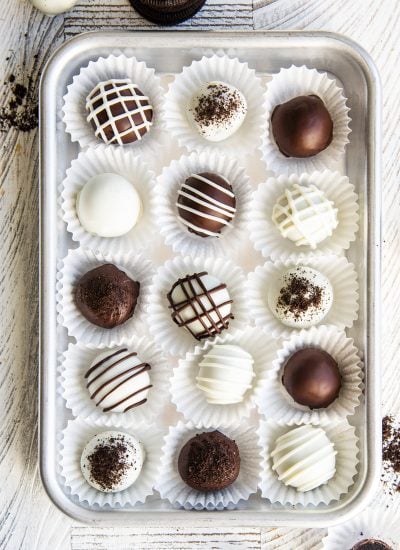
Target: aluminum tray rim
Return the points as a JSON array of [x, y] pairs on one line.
[[47, 275]]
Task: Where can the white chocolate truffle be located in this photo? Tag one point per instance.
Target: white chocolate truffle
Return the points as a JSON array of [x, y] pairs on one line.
[[118, 381], [304, 458], [217, 110], [304, 215], [201, 304], [301, 297], [108, 205], [112, 461], [226, 373], [53, 7]]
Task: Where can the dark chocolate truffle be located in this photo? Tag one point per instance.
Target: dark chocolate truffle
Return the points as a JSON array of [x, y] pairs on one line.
[[206, 204], [201, 304], [371, 544], [167, 12], [209, 462], [312, 377], [106, 296], [119, 111], [302, 127]]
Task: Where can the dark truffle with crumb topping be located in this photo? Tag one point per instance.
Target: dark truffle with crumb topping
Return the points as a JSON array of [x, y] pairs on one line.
[[209, 462], [312, 377], [302, 127], [371, 544], [106, 296]]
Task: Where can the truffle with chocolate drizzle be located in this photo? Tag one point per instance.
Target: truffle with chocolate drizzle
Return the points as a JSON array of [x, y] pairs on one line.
[[201, 304], [118, 381]]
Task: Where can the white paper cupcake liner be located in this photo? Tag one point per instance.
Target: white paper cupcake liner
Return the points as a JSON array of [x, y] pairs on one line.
[[345, 441], [174, 232], [215, 68], [76, 362], [72, 268], [117, 161], [74, 438], [105, 68], [297, 81], [191, 401], [338, 270], [267, 237], [169, 336], [374, 523], [275, 403], [172, 487]]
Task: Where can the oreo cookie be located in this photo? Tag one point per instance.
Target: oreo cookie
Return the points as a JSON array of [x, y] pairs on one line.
[[167, 12]]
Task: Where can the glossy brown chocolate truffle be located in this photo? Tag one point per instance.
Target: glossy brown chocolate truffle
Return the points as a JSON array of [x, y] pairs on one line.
[[119, 112], [302, 127], [371, 544], [209, 462], [106, 296], [206, 204], [312, 377]]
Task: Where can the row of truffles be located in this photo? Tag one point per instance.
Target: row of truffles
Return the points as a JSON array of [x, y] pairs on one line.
[[303, 458], [120, 113], [200, 303], [108, 205]]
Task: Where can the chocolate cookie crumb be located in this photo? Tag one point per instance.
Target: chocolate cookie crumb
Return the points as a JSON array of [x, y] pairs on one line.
[[21, 110], [391, 454], [218, 106], [108, 463], [299, 295]]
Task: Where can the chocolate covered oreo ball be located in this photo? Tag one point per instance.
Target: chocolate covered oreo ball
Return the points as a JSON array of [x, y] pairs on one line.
[[209, 462], [371, 544], [302, 127], [206, 204], [119, 111], [167, 12], [312, 378], [106, 296]]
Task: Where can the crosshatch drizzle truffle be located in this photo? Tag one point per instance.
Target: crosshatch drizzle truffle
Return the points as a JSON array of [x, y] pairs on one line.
[[119, 111], [301, 297], [209, 462], [106, 296], [201, 304], [206, 204], [217, 110]]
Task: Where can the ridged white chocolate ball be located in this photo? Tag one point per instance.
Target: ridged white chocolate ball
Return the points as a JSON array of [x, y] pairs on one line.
[[53, 7], [108, 205], [112, 461], [301, 297], [304, 458], [304, 215], [217, 110], [226, 373]]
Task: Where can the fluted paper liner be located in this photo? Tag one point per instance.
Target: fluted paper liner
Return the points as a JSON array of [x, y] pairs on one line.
[[345, 441], [169, 336], [176, 233], [215, 68], [338, 270], [106, 68], [76, 362], [373, 523], [119, 161], [275, 403], [72, 268], [297, 81], [173, 488], [74, 438], [191, 401], [267, 237]]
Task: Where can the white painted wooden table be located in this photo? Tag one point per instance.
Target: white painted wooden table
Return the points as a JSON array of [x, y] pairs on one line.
[[27, 518]]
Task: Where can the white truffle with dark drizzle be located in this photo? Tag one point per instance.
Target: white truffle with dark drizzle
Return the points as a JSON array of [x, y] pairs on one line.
[[118, 381]]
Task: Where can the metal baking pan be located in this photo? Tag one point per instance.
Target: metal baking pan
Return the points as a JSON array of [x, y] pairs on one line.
[[167, 52]]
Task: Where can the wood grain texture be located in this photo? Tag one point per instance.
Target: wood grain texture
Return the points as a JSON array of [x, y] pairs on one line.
[[27, 518]]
